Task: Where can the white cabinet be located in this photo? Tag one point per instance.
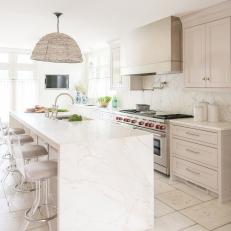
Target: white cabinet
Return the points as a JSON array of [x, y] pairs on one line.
[[201, 155], [207, 54], [203, 176], [218, 53], [194, 56]]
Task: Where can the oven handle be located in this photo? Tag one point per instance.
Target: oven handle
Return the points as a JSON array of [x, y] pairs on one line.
[[155, 133]]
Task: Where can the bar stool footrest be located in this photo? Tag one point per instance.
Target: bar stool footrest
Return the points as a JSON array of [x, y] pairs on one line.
[[25, 187], [44, 213], [7, 156]]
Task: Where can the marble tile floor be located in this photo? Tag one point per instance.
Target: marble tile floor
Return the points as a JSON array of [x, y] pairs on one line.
[[178, 207], [184, 207]]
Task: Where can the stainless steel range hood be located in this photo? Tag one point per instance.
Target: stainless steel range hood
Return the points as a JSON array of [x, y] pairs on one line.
[[153, 49]]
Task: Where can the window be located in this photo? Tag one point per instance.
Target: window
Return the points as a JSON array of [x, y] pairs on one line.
[[18, 84], [99, 74], [4, 74], [4, 58], [24, 75], [24, 59], [99, 64]]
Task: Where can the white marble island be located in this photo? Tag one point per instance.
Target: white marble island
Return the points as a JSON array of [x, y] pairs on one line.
[[105, 175]]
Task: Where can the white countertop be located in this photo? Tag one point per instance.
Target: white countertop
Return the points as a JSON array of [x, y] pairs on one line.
[[203, 125], [64, 132]]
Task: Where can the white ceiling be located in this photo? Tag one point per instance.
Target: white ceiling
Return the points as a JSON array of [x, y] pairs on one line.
[[90, 22]]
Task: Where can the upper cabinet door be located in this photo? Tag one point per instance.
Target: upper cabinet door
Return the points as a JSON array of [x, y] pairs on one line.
[[218, 53], [194, 56]]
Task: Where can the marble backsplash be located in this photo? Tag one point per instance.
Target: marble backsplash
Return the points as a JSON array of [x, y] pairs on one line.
[[175, 98]]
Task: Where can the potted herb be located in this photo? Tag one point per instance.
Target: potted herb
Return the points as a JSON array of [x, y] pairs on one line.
[[104, 101]]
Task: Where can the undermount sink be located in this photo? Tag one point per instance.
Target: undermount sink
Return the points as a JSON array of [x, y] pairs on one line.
[[62, 117], [66, 118]]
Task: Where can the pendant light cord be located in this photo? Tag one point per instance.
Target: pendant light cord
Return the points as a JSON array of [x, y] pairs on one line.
[[58, 24], [58, 14]]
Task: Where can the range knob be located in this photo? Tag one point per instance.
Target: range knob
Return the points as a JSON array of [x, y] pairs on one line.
[[162, 127], [117, 118], [141, 123], [146, 124], [125, 119], [133, 121], [128, 120], [151, 125], [157, 126]]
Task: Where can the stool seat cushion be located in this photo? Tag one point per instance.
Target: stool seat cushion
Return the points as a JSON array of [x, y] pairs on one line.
[[16, 131], [41, 170], [23, 139], [33, 150]]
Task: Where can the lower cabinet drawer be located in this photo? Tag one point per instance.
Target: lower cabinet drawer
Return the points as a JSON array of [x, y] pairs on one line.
[[195, 134], [195, 152], [197, 174]]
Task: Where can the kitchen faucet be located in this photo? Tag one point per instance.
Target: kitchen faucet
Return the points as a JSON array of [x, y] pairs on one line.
[[55, 106], [57, 97]]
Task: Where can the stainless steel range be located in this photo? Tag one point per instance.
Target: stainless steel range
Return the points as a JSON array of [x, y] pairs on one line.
[[156, 123]]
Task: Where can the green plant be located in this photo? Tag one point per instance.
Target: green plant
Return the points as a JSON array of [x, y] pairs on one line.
[[104, 101], [63, 110], [59, 110], [75, 117]]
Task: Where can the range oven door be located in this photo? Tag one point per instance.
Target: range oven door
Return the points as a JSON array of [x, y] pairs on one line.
[[160, 149]]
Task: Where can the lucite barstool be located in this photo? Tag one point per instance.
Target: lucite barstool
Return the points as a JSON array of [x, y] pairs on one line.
[[31, 152], [38, 172], [5, 131], [24, 139]]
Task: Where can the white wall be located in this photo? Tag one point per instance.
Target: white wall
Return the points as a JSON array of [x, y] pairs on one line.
[[175, 98], [76, 74]]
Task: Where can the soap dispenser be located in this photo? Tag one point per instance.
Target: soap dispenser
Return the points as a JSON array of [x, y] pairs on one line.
[[114, 102]]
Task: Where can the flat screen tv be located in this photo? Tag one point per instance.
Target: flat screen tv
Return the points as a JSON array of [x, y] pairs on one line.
[[57, 82]]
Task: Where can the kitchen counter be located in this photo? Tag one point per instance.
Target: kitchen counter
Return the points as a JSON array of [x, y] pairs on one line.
[[222, 126], [60, 132], [105, 172]]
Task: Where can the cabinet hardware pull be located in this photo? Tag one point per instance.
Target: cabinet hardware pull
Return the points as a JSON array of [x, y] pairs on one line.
[[192, 134], [192, 171], [189, 150], [204, 78], [208, 78]]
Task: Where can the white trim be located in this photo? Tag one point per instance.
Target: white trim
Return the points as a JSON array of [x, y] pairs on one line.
[[12, 66], [209, 14], [15, 50]]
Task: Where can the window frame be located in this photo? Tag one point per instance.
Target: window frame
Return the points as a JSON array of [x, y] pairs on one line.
[[13, 66]]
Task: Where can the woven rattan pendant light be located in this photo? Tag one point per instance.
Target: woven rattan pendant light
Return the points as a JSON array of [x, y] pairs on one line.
[[57, 48]]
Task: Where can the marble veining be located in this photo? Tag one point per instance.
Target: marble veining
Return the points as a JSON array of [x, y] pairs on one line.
[[105, 173], [107, 186]]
